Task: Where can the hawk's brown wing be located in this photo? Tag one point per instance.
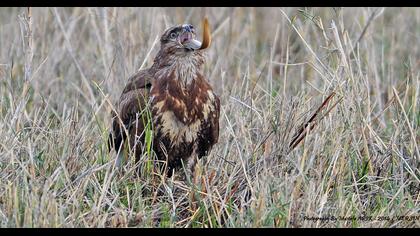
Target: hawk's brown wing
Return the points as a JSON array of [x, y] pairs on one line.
[[215, 122], [210, 134], [130, 108]]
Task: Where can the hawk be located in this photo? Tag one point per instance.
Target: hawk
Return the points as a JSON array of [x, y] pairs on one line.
[[174, 96]]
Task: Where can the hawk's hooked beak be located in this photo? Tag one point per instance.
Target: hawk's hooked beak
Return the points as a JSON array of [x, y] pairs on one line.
[[189, 42]]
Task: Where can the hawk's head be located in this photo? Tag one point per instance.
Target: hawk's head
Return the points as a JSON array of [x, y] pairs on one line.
[[181, 38], [179, 46]]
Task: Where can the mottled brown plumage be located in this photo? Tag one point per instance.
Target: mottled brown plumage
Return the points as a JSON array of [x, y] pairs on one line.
[[184, 109]]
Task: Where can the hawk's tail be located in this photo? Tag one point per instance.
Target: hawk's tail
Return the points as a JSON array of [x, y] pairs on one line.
[[113, 141], [116, 136]]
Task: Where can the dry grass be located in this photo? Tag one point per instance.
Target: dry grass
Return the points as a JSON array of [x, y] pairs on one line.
[[61, 69]]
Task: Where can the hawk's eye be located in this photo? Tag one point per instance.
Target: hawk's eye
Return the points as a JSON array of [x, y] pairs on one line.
[[172, 35]]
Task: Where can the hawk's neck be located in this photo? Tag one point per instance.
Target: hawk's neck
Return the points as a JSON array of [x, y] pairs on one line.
[[184, 69]]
